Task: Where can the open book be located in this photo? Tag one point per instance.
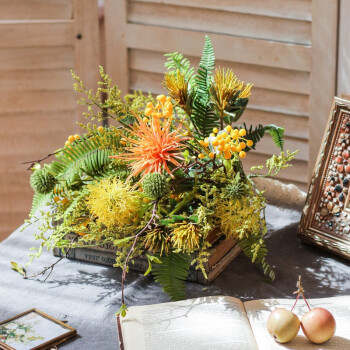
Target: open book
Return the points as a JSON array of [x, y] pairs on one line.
[[223, 323]]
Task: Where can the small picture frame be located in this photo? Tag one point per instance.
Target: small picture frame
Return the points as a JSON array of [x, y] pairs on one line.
[[325, 220], [32, 330]]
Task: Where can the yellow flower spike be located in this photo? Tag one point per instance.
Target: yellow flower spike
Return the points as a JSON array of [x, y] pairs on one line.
[[159, 115], [150, 105], [228, 128], [211, 155], [242, 154], [215, 130], [238, 148], [250, 143], [228, 139], [243, 145], [154, 114], [242, 132], [220, 148], [158, 106], [233, 148], [222, 142], [206, 144], [219, 137], [200, 155], [168, 99], [201, 142], [100, 129], [215, 143], [145, 120], [227, 147], [224, 134]]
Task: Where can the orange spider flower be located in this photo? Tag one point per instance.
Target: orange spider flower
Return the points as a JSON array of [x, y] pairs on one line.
[[153, 147]]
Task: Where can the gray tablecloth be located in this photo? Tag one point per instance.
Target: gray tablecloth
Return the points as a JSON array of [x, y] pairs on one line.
[[88, 296]]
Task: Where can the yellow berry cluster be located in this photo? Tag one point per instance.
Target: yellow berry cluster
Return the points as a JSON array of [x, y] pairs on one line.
[[163, 109], [71, 139], [227, 143]]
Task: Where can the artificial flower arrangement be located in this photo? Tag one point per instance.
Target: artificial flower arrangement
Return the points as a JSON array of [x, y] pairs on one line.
[[158, 181]]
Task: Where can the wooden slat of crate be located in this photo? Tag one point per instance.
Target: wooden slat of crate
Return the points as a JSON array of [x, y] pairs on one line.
[[230, 48], [36, 9], [37, 58], [294, 9], [230, 23], [36, 79], [38, 33]]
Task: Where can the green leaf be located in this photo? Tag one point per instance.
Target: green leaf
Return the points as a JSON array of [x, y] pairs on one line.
[[122, 311], [18, 268], [172, 274], [121, 241], [153, 259], [172, 220]]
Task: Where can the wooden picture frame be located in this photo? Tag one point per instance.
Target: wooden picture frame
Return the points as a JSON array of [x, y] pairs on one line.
[[34, 340], [325, 220]]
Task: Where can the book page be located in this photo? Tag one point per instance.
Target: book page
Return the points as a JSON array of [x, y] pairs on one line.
[[259, 310], [197, 324]]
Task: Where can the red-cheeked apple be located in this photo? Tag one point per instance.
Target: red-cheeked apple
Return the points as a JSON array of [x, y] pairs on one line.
[[318, 325]]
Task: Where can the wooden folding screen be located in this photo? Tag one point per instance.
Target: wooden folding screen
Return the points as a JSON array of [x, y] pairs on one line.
[[41, 41], [287, 48]]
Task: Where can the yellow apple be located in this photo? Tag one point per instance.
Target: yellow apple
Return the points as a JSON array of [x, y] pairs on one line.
[[283, 325]]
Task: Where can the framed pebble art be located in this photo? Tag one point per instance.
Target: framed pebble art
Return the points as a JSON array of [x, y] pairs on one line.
[[325, 219]]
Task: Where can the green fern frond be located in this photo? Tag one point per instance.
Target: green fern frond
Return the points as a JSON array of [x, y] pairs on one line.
[[255, 249], [177, 62], [39, 201], [172, 274], [203, 116], [86, 156], [277, 134], [257, 133]]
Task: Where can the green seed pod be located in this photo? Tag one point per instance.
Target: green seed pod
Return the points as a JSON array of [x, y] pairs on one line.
[[42, 181], [155, 185]]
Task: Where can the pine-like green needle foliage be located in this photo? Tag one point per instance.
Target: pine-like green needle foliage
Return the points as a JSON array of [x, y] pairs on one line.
[[172, 274]]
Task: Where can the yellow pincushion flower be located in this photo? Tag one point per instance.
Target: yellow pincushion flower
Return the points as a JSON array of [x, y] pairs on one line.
[[240, 218], [186, 237], [113, 202]]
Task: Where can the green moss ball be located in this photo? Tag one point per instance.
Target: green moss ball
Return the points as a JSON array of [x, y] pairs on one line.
[[155, 185], [42, 181]]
